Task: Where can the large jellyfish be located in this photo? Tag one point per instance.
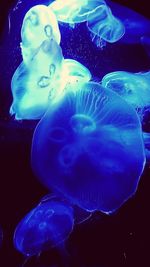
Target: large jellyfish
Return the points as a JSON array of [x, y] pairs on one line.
[[46, 226], [74, 11], [32, 83], [39, 24], [133, 87], [103, 24], [89, 148], [136, 25]]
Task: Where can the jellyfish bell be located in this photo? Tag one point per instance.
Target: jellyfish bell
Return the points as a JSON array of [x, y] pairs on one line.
[[74, 11], [103, 24], [89, 148], [46, 226], [132, 87], [31, 84], [39, 24]]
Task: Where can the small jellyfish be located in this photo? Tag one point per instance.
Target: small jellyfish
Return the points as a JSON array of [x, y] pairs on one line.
[[102, 23], [39, 24], [31, 84], [133, 87], [44, 227], [74, 11], [89, 148], [136, 25]]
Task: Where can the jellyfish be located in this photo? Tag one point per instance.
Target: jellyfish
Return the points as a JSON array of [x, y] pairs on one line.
[[39, 24], [31, 84], [133, 87], [74, 11], [136, 25], [102, 23], [89, 148], [47, 225]]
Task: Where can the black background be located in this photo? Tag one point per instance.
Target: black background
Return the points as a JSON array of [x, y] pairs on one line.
[[103, 241]]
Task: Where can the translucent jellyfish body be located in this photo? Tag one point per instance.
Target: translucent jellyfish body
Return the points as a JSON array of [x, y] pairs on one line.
[[136, 25], [32, 83], [103, 24], [133, 87], [89, 148], [74, 11], [39, 24], [47, 225]]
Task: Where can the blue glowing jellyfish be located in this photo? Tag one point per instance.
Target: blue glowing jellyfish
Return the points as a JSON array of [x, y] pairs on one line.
[[46, 226], [136, 25], [32, 83], [133, 87], [39, 24], [104, 25], [74, 11], [89, 148]]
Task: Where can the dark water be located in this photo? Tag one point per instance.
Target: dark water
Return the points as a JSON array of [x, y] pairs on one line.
[[103, 241]]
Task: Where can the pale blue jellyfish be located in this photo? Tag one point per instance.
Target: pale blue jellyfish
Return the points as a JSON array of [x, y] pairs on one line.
[[133, 87], [136, 25], [39, 24], [44, 227], [89, 148], [74, 11], [31, 84], [104, 25]]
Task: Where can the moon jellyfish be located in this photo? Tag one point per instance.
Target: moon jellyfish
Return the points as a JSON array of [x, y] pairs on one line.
[[74, 11], [44, 227], [133, 87], [31, 84], [136, 25], [39, 24], [89, 148], [103, 24]]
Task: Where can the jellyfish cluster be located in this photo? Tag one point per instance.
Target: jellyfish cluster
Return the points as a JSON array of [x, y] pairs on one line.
[[88, 147]]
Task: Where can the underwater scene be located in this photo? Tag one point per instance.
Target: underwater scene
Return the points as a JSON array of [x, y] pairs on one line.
[[74, 133]]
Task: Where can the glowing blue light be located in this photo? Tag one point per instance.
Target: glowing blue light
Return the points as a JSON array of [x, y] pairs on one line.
[[47, 225], [133, 87], [89, 147]]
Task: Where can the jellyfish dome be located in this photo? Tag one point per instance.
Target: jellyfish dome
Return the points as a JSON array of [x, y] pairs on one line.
[[89, 148], [44, 227], [133, 87], [103, 24], [74, 11], [39, 24]]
